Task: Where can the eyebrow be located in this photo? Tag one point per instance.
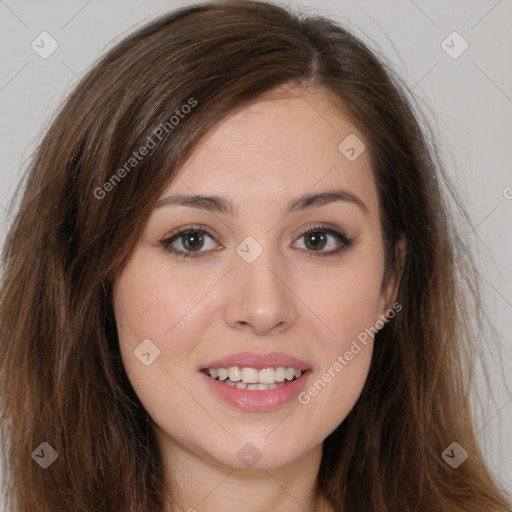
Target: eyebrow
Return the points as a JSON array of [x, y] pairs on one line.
[[218, 204]]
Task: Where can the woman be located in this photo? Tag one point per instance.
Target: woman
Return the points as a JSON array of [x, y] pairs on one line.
[[231, 282]]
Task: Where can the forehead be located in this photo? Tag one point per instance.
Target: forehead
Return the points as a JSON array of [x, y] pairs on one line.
[[277, 148]]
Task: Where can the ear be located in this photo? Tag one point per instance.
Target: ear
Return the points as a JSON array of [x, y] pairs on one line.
[[391, 280]]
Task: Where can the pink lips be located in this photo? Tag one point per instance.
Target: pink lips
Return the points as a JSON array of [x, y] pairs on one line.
[[258, 361], [257, 400]]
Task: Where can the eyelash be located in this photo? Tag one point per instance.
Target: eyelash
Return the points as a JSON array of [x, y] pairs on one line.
[[339, 236]]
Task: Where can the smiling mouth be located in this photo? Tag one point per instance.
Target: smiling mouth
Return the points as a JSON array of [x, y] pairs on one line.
[[253, 379]]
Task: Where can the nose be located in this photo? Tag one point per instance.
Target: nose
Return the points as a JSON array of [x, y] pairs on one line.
[[259, 298]]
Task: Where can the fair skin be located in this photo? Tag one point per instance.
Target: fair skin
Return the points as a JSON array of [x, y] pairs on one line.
[[289, 300]]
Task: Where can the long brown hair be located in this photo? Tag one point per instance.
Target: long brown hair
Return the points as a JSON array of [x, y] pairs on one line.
[[61, 377]]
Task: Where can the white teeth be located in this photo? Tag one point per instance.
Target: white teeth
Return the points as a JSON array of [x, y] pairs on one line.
[[267, 376], [234, 374], [253, 387], [280, 374], [252, 378], [250, 375]]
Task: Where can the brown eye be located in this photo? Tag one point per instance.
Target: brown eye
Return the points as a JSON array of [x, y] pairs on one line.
[[315, 240], [189, 242], [319, 238], [192, 240]]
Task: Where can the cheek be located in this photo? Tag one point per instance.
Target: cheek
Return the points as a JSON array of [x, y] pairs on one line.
[[345, 303], [346, 357], [148, 307], [345, 300], [153, 306]]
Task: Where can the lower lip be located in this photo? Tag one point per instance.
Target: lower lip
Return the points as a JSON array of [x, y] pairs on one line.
[[257, 400]]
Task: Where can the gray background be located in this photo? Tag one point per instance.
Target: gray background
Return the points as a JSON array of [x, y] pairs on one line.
[[468, 99]]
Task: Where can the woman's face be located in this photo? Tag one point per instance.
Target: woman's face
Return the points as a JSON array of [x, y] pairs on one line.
[[285, 276]]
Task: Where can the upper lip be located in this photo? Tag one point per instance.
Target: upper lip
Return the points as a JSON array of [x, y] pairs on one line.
[[258, 361]]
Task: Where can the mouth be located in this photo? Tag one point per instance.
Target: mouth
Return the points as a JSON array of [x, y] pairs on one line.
[[254, 379], [252, 382]]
